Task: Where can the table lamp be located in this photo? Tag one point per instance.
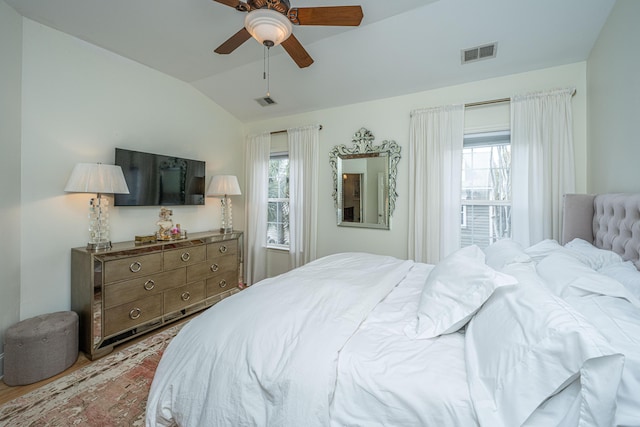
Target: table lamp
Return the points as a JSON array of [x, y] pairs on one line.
[[224, 186], [100, 179]]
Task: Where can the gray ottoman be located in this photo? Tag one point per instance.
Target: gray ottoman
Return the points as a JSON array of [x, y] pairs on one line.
[[40, 347]]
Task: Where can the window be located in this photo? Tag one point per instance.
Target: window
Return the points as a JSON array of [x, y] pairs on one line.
[[486, 188], [278, 209]]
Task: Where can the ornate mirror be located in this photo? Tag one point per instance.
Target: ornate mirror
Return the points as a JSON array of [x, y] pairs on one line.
[[364, 181]]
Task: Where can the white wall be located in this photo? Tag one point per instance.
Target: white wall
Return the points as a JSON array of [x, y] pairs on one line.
[[10, 99], [614, 103], [79, 102], [389, 119]]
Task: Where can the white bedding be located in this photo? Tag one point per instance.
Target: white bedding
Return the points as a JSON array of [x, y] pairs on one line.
[[268, 355], [427, 377], [613, 310], [326, 344]]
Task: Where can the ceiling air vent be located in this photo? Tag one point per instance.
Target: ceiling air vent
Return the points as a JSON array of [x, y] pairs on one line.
[[266, 101], [479, 52]]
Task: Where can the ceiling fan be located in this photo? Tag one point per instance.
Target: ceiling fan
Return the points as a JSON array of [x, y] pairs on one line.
[[270, 23]]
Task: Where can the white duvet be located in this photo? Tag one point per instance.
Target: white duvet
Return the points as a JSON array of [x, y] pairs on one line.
[[324, 345], [388, 379], [268, 356]]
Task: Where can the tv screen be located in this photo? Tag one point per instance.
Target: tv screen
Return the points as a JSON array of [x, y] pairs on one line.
[[157, 180]]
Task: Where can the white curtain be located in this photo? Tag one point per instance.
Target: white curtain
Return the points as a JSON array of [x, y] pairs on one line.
[[303, 193], [257, 199], [542, 163], [436, 136]]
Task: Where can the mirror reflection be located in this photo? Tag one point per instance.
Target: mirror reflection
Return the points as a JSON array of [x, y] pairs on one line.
[[364, 181]]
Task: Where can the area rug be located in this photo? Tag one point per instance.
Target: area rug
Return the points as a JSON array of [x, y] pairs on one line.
[[111, 391]]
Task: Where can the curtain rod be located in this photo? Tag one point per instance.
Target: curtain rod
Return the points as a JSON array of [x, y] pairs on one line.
[[285, 131], [491, 101], [494, 101]]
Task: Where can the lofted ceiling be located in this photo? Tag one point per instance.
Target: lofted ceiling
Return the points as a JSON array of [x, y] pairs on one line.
[[401, 46]]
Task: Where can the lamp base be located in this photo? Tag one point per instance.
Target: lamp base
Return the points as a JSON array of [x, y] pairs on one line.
[[98, 246], [226, 230]]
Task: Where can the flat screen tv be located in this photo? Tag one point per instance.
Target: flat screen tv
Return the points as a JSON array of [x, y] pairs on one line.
[[157, 180]]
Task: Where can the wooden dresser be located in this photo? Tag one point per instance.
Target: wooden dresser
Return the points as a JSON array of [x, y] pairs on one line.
[[131, 289]]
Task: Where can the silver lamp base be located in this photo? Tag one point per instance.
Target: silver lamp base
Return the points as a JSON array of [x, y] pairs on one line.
[[226, 230], [98, 246]]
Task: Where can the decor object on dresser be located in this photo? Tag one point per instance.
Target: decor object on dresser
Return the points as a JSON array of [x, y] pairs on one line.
[[165, 225], [132, 289], [269, 22], [40, 347], [100, 179], [224, 186]]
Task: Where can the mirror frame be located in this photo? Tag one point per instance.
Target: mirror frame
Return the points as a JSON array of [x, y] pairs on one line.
[[362, 148]]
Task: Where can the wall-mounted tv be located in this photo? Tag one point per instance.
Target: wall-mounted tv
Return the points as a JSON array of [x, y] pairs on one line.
[[157, 180]]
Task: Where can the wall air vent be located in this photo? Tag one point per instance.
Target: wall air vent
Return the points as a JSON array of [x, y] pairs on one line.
[[477, 53], [266, 101]]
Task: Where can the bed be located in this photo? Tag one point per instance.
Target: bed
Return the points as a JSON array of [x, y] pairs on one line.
[[541, 336]]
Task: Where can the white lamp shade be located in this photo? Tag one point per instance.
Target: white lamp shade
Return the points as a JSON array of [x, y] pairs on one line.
[[224, 185], [97, 178], [268, 25]]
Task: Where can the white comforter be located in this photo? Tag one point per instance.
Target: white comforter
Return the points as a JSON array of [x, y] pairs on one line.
[[268, 356], [324, 345], [386, 378]]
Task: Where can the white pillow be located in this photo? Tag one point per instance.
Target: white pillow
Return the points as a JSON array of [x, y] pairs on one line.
[[625, 273], [568, 277], [594, 257], [504, 252], [542, 249], [454, 290], [525, 346]]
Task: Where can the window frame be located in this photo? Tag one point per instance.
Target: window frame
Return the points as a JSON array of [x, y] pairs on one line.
[[481, 139], [277, 155]]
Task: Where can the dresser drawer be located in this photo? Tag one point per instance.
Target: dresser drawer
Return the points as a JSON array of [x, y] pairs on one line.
[[176, 258], [128, 268], [184, 296], [131, 290], [212, 266], [227, 247], [221, 283], [132, 314]]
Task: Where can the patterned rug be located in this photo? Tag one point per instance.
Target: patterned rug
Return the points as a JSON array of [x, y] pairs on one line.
[[111, 391]]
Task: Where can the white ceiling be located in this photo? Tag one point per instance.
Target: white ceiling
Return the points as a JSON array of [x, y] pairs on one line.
[[402, 46]]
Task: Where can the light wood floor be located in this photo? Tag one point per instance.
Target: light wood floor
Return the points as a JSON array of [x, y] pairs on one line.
[[8, 393]]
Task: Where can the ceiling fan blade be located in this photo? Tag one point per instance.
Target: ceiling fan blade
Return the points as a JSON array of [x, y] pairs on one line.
[[297, 52], [326, 15], [232, 3], [236, 4], [233, 42]]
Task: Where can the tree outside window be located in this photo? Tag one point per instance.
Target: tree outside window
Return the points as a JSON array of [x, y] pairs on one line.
[[278, 208]]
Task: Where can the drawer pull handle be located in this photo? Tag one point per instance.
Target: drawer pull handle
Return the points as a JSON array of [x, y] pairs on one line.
[[135, 313], [185, 296], [185, 256], [149, 285], [223, 249], [223, 283], [214, 267], [135, 267]]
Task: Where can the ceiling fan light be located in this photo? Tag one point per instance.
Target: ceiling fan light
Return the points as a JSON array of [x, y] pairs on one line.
[[267, 25]]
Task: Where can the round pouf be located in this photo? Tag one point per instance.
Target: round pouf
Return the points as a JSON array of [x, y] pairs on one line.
[[40, 347]]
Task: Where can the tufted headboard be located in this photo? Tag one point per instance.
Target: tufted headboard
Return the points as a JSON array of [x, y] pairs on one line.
[[609, 221]]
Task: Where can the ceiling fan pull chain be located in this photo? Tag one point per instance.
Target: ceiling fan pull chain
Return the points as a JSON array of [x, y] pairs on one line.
[[264, 63], [267, 72]]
